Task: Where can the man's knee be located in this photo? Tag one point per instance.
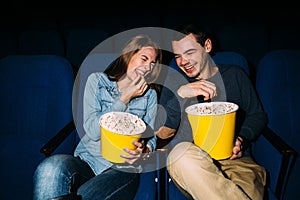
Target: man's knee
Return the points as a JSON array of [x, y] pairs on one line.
[[177, 155]]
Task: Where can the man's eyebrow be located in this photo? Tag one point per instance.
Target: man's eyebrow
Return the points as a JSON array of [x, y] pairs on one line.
[[187, 51]]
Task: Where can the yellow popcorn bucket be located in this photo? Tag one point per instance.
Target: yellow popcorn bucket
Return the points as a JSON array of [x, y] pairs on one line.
[[213, 127], [118, 131]]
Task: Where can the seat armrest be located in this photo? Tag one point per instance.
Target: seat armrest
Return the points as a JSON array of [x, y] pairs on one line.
[[279, 143], [278, 157], [54, 142]]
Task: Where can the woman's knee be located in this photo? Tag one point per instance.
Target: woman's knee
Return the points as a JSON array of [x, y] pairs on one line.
[[51, 177], [52, 165]]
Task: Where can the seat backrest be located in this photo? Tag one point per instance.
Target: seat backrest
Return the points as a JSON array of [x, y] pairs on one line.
[[231, 57], [36, 103], [278, 86]]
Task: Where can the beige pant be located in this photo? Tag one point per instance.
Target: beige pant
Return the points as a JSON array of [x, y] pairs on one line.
[[195, 172]]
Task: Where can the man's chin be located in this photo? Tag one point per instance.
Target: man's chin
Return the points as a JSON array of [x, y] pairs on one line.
[[192, 76]]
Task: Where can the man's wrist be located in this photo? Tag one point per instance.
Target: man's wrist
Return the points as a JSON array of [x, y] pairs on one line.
[[179, 93], [244, 141]]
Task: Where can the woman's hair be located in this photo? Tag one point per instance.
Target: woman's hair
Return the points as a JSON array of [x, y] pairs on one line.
[[119, 67]]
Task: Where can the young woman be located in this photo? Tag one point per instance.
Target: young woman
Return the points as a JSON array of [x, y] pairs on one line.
[[123, 86]]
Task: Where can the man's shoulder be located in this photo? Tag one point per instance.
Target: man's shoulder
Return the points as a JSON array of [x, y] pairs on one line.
[[176, 78], [230, 69]]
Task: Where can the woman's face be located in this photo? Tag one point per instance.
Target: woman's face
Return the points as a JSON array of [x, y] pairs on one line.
[[142, 62]]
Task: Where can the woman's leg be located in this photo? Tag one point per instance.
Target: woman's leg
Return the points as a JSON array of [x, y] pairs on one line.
[[59, 175], [111, 184]]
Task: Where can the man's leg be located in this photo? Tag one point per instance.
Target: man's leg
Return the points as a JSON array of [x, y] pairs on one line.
[[194, 170]]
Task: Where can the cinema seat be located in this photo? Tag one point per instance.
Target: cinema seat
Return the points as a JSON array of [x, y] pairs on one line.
[[35, 104], [278, 86]]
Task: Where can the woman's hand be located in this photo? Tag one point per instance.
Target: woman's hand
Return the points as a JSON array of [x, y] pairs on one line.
[[134, 89], [237, 151], [134, 155]]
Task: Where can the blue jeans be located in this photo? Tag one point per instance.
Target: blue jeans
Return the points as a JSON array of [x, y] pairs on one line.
[[60, 174]]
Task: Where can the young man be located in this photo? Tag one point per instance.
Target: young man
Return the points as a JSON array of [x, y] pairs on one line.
[[191, 168]]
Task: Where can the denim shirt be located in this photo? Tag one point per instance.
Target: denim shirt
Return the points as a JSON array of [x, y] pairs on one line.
[[102, 95]]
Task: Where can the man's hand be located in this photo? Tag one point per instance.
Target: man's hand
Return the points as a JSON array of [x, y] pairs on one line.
[[237, 151], [201, 87], [165, 132]]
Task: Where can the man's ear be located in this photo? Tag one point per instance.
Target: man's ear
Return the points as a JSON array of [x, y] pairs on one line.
[[208, 45]]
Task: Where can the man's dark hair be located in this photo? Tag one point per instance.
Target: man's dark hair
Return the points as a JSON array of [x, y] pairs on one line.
[[201, 33]]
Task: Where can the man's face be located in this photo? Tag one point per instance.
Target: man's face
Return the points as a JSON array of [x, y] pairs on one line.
[[190, 56]]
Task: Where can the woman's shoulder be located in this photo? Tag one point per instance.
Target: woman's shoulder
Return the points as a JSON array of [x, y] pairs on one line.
[[99, 77], [151, 92]]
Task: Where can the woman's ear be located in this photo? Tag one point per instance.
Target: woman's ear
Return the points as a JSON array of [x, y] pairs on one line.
[[208, 45]]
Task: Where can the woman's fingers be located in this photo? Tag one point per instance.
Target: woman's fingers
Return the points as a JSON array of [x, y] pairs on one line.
[[140, 85], [135, 154]]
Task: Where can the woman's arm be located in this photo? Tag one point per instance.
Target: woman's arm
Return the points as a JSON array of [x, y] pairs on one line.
[[97, 101]]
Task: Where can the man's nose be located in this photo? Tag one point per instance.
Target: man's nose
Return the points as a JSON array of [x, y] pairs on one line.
[[183, 61]]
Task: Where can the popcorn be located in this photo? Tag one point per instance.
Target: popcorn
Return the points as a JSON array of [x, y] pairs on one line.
[[212, 108], [122, 123]]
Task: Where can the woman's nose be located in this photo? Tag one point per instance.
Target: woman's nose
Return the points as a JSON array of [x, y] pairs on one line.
[[149, 66]]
